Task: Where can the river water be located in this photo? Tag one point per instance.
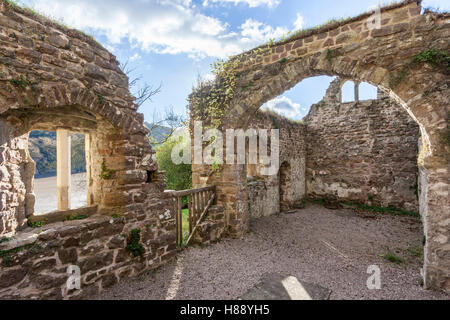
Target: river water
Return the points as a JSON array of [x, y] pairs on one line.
[[46, 198]]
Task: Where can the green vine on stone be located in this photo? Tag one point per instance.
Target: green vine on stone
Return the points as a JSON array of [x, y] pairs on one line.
[[22, 83], [445, 136], [4, 239], [216, 102], [106, 173], [211, 101], [216, 167], [249, 85], [5, 255], [78, 217], [438, 59], [100, 98], [331, 54], [276, 123], [36, 224], [133, 243]]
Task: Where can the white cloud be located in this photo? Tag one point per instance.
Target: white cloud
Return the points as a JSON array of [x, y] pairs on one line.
[[298, 23], [439, 4], [255, 31], [284, 106], [162, 26], [135, 57], [250, 3]]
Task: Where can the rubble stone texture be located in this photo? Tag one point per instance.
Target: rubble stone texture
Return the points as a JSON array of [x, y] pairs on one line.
[[268, 195], [54, 77], [354, 50], [363, 151]]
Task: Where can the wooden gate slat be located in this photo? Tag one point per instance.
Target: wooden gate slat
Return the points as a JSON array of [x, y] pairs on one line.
[[189, 198], [180, 221], [199, 201]]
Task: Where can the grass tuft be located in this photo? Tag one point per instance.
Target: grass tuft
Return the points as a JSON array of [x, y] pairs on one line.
[[391, 257], [4, 239], [416, 251], [78, 217], [378, 209]]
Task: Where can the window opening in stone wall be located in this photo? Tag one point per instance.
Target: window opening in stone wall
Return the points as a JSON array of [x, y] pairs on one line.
[[151, 176], [367, 91], [348, 92], [43, 148], [296, 102]]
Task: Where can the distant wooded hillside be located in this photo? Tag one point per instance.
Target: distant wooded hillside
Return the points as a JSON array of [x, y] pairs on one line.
[[42, 146]]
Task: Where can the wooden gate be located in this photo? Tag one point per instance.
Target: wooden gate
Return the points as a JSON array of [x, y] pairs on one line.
[[198, 202]]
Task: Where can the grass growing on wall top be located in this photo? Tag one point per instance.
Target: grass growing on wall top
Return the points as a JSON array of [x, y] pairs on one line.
[[17, 4]]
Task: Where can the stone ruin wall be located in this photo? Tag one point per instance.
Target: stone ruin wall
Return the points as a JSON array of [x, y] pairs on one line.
[[264, 191], [54, 77], [71, 70], [363, 151], [353, 50], [16, 177]]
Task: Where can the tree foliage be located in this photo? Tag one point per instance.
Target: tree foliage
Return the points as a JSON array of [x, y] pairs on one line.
[[178, 177]]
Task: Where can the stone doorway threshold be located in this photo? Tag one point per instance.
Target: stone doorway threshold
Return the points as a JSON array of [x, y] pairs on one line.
[[275, 286]]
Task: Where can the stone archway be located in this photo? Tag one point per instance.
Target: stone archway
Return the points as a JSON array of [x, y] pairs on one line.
[[393, 58]]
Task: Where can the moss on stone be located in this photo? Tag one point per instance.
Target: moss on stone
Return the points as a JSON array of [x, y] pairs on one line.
[[438, 59], [22, 83], [133, 243], [106, 173], [78, 217]]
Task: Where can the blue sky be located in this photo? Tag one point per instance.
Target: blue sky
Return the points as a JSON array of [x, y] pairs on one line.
[[173, 42]]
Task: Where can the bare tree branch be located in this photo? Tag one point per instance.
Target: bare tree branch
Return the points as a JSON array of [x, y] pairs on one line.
[[146, 93], [128, 71], [134, 81], [126, 68], [170, 121]]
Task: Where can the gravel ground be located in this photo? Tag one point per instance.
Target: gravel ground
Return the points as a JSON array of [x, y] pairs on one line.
[[331, 248]]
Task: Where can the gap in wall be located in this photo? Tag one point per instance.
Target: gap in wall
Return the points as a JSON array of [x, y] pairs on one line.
[[42, 147]]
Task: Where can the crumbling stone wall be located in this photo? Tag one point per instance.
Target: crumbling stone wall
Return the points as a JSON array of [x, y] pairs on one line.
[[362, 151], [35, 263], [16, 176], [54, 77], [354, 49], [264, 191], [212, 227]]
